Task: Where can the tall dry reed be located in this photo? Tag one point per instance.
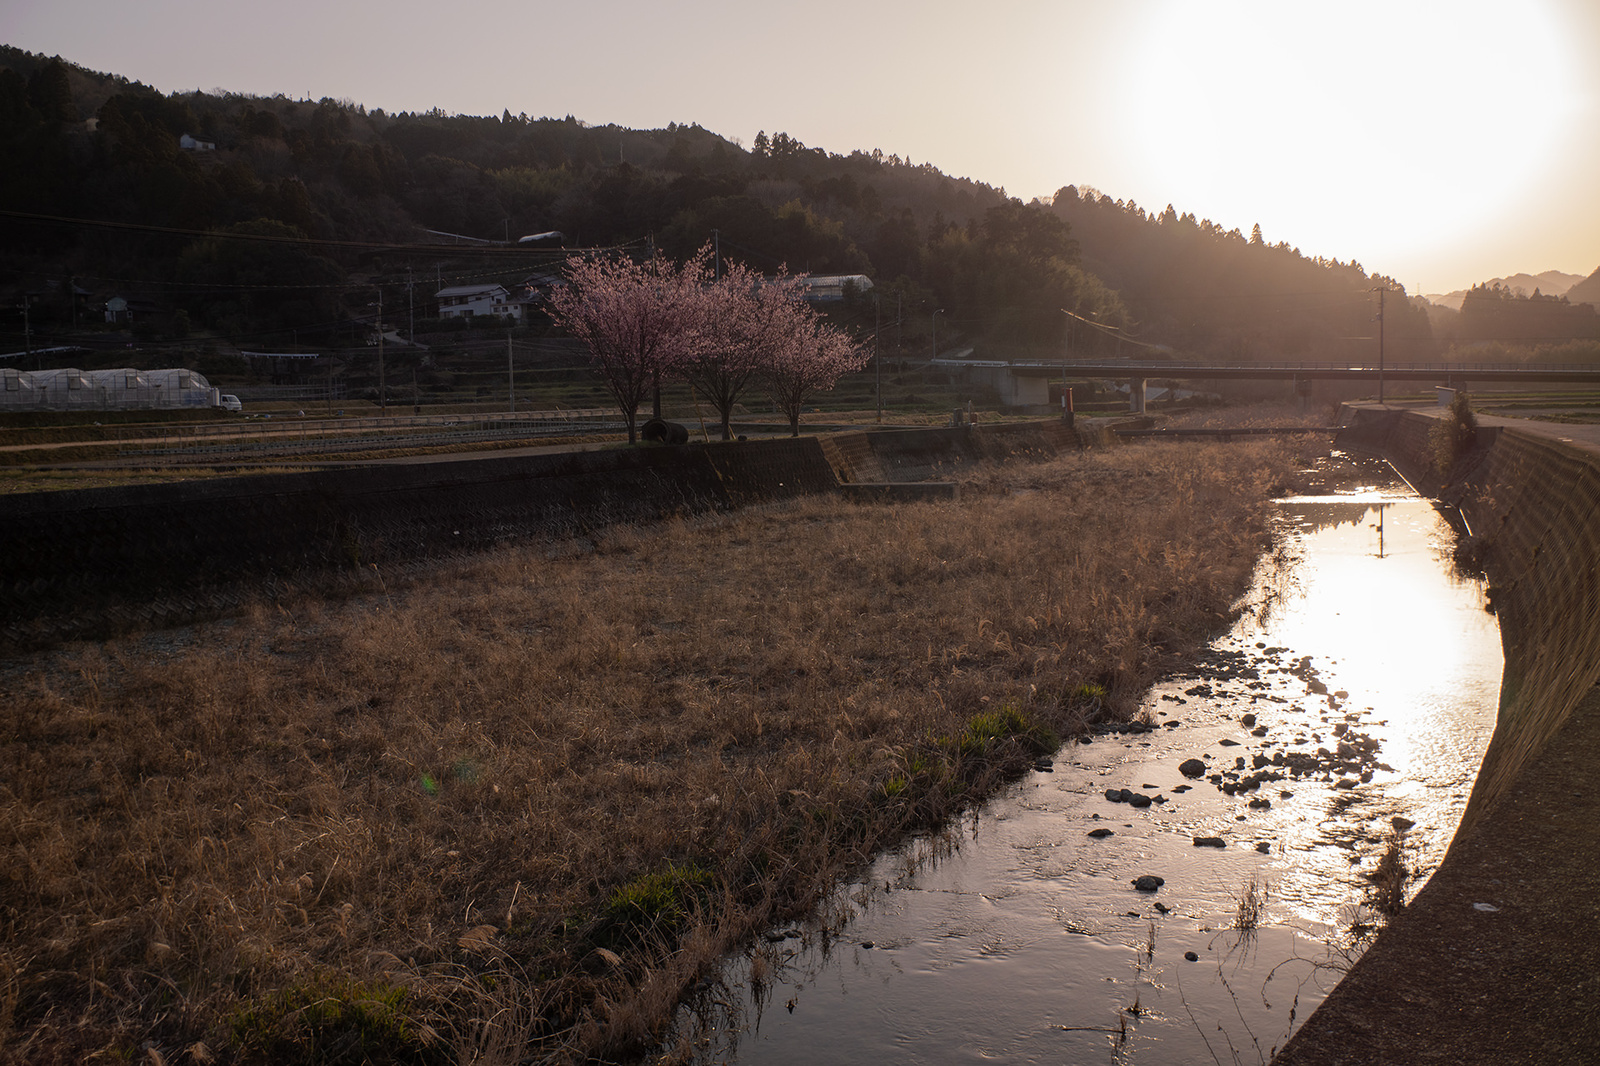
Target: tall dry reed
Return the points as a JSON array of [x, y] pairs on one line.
[[519, 807]]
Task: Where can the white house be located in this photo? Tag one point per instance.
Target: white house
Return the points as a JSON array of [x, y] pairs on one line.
[[830, 288], [191, 144], [468, 301]]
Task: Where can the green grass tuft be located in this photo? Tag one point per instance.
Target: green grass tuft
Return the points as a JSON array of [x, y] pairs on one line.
[[654, 907], [336, 1021]]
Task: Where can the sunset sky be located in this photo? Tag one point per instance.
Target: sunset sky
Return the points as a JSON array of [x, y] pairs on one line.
[[1442, 142]]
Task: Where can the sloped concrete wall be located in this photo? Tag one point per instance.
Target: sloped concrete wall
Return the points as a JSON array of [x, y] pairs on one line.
[[85, 562], [81, 560], [1535, 504], [1533, 507]]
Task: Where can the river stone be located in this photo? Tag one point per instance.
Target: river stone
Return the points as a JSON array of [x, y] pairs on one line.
[[1210, 842], [1100, 834], [1401, 824], [1148, 882], [1114, 795], [1228, 743], [1191, 956], [1248, 720], [1139, 799], [1192, 768]]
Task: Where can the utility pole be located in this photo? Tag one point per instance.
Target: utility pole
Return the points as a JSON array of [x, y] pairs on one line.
[[877, 356], [511, 373], [1066, 353], [27, 336], [1381, 291], [716, 255], [936, 315], [411, 308], [383, 395]]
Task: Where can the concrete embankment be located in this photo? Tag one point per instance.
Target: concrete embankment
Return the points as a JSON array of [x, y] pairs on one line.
[[85, 562], [1497, 959]]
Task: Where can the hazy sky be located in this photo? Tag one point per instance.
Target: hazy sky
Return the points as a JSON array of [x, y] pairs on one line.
[[1442, 142]]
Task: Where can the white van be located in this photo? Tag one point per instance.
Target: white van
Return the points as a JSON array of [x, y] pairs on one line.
[[230, 402]]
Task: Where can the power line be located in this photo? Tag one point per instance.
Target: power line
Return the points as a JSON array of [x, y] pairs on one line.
[[470, 251]]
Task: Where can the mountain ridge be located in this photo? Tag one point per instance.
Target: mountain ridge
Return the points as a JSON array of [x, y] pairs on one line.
[[1547, 283]]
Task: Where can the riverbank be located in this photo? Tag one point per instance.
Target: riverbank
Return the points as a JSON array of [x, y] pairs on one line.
[[1315, 739], [520, 805], [1496, 960]]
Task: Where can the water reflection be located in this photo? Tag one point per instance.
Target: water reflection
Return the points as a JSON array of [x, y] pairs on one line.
[[1016, 937]]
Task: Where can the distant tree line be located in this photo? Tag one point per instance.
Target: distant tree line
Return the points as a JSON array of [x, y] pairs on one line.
[[1493, 312], [302, 203]]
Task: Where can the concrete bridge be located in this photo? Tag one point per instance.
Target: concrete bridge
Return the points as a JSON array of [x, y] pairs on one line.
[[1022, 382]]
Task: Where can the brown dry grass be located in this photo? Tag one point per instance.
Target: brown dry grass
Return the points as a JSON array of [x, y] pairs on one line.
[[533, 799]]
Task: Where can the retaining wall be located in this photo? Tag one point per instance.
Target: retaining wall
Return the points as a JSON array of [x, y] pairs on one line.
[[925, 454], [1532, 506], [84, 562], [1493, 961]]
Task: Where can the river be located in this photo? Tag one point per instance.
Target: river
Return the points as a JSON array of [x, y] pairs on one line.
[[1342, 719]]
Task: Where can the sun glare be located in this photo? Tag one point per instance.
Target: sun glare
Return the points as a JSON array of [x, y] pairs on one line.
[[1362, 125]]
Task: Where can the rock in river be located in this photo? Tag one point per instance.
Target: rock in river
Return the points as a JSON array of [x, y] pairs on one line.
[[1148, 882], [1192, 768]]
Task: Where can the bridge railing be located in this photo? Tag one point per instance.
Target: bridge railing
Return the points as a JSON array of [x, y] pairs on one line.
[[1148, 365]]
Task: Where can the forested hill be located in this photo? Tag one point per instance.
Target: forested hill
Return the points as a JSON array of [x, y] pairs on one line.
[[328, 198]]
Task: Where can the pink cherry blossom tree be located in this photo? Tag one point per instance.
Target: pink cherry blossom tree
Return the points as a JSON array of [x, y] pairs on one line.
[[812, 357], [744, 324], [641, 321]]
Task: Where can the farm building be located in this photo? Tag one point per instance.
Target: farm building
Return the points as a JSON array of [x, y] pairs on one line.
[[104, 390]]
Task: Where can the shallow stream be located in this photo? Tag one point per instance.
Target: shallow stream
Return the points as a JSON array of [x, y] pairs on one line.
[[1343, 717]]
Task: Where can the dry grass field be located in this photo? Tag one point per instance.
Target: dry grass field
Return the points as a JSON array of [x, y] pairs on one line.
[[514, 810]]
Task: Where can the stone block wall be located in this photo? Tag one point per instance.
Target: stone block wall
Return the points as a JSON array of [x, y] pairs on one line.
[[1532, 505]]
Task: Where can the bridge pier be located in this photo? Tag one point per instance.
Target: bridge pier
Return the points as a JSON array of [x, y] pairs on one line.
[[1136, 395]]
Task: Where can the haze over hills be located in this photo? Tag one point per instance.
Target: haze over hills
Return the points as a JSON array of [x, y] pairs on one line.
[[1586, 291], [1548, 283]]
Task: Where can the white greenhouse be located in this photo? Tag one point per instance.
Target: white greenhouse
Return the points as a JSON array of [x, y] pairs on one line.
[[104, 390]]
